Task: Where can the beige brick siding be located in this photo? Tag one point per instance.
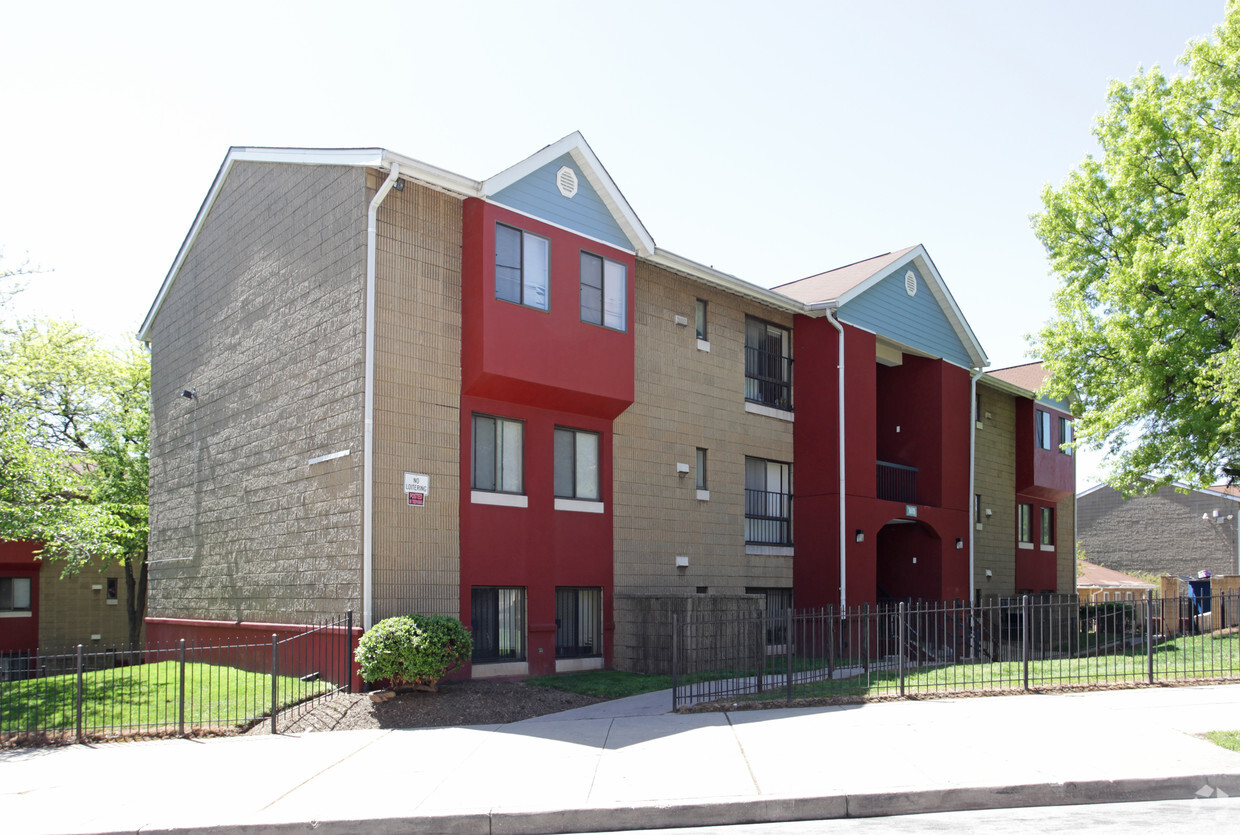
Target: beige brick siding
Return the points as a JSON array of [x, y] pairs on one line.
[[417, 401], [687, 398], [1160, 533], [72, 610], [1065, 550], [265, 320], [995, 481]]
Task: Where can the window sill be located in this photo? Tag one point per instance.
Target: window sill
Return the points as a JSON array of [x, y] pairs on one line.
[[769, 550], [112, 602], [579, 506], [577, 665], [1050, 548], [703, 495], [16, 614], [979, 424], [1026, 545], [499, 499], [978, 526], [768, 411], [494, 669], [703, 345]]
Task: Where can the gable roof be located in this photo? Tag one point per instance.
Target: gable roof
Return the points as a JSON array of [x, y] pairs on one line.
[[575, 146], [1107, 578], [839, 287], [1030, 376]]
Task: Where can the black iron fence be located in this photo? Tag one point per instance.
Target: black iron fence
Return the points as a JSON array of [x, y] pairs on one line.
[[183, 687], [908, 648]]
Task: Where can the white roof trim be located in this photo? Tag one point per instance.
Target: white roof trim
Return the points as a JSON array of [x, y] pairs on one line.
[[575, 145], [730, 283], [410, 169], [938, 289], [1179, 485]]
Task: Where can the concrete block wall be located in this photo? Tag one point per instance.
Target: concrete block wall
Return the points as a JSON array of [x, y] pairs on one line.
[[644, 625], [994, 480], [688, 398], [417, 401], [265, 321], [1162, 533]]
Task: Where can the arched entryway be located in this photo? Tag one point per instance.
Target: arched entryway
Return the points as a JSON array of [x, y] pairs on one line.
[[910, 561]]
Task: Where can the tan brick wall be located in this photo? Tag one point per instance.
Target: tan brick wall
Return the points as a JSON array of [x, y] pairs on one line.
[[995, 480], [1065, 551], [417, 401], [266, 322], [687, 398], [71, 610]]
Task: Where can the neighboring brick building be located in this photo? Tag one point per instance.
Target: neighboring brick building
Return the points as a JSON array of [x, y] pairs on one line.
[[40, 608], [554, 429], [1174, 530]]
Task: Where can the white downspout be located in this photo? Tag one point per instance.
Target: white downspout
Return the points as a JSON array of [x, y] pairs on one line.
[[826, 311], [368, 434], [977, 372]]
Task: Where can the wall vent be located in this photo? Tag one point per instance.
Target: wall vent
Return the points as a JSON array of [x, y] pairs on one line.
[[910, 283], [566, 181]]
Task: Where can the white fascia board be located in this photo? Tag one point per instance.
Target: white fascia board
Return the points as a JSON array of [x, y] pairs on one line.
[[729, 283], [410, 169], [938, 289], [1093, 489], [576, 146]]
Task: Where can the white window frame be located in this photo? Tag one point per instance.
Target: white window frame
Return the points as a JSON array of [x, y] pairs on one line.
[[1042, 428]]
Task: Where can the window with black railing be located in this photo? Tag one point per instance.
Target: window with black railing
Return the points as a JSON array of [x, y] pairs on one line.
[[768, 502], [578, 622], [768, 364], [896, 483]]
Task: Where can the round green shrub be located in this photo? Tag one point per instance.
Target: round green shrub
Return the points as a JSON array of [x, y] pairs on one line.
[[413, 650]]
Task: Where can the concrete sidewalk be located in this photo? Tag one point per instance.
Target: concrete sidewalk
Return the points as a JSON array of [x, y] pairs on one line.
[[629, 764]]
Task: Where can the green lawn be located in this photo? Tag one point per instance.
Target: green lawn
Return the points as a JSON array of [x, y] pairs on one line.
[[607, 684], [1227, 739], [146, 696], [1190, 657]]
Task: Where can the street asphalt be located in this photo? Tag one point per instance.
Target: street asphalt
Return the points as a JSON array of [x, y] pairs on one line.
[[632, 764]]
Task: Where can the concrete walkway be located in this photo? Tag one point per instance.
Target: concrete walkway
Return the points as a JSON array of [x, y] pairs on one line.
[[630, 764]]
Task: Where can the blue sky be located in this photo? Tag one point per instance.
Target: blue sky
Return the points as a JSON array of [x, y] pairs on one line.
[[770, 140]]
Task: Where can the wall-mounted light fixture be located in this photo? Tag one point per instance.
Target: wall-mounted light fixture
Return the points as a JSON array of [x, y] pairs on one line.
[[959, 543], [989, 513], [399, 185], [860, 537], [681, 321], [682, 561], [682, 468], [189, 395]]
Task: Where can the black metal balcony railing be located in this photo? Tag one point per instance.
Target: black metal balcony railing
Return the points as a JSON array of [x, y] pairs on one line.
[[897, 483], [768, 517], [768, 378]]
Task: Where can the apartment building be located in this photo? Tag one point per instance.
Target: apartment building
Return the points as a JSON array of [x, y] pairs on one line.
[[382, 386]]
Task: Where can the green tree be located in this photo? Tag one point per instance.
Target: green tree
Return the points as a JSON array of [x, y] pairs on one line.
[[74, 442], [1146, 244]]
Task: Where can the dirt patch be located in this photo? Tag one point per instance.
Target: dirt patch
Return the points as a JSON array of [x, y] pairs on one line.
[[476, 702]]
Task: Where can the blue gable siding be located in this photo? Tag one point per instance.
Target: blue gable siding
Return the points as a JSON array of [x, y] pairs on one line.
[[585, 212], [917, 321]]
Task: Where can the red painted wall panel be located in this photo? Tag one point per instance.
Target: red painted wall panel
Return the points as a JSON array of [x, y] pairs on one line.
[[20, 632], [544, 358], [537, 547], [1047, 474]]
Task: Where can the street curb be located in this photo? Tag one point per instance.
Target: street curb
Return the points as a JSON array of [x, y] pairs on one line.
[[758, 810]]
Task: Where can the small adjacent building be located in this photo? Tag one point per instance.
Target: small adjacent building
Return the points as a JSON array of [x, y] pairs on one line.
[[382, 386], [1177, 530], [41, 609]]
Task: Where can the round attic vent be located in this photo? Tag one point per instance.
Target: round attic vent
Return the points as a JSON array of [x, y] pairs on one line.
[[910, 283], [566, 181]]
